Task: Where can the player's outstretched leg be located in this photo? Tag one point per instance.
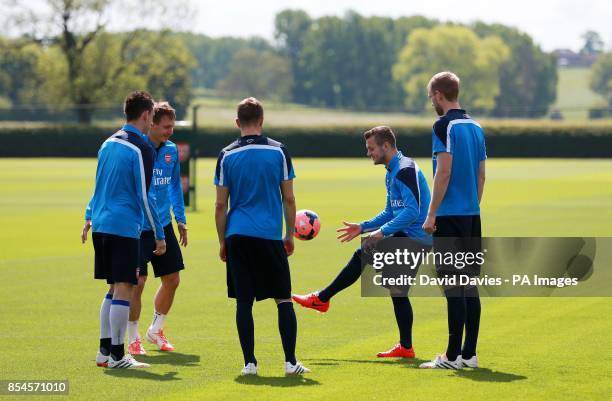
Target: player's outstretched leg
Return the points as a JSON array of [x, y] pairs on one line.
[[246, 333], [404, 319], [287, 326], [163, 301], [105, 330], [347, 277]]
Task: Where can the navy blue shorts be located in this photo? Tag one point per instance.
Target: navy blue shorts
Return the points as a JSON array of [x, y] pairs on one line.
[[116, 258], [169, 262], [256, 268], [458, 234]]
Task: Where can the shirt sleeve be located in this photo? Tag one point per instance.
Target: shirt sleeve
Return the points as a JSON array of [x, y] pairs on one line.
[[406, 181], [176, 193], [143, 163], [88, 210], [221, 179], [380, 219], [441, 137], [287, 168], [483, 149]]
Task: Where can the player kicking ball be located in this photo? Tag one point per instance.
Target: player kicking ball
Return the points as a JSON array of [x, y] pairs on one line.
[[403, 216], [167, 190]]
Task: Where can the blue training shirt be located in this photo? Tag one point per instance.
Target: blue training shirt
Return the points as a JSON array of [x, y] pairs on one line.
[[166, 186], [123, 176], [252, 168], [407, 201], [456, 133]]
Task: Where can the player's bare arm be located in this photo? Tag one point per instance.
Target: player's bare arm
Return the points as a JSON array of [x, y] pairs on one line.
[[481, 179], [221, 218], [289, 208], [440, 184]]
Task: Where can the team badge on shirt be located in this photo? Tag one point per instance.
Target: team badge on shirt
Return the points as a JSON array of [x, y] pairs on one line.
[[168, 158]]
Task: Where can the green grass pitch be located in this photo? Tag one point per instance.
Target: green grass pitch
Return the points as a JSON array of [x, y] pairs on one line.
[[530, 348]]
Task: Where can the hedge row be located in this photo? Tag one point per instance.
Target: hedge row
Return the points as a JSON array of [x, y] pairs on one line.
[[539, 140]]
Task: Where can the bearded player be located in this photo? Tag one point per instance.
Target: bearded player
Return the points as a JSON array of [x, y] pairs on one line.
[[403, 216]]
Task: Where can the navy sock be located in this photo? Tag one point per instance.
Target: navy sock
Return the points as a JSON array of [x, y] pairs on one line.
[[456, 319], [287, 326], [246, 330], [472, 322], [117, 351], [404, 318], [105, 346], [347, 276]]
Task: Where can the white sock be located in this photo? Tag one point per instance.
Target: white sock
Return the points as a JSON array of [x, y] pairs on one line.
[[132, 331], [158, 322], [105, 328], [119, 315]]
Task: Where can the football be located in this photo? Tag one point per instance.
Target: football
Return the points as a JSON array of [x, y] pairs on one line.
[[307, 225]]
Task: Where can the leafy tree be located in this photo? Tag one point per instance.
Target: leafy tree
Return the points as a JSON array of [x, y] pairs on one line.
[[476, 61], [290, 31], [214, 55], [527, 79], [166, 63], [593, 44], [71, 28], [112, 66], [18, 71], [601, 77], [261, 74], [344, 62]]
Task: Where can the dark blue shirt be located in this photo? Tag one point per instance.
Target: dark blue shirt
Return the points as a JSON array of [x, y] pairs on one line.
[[252, 168], [456, 133], [123, 176]]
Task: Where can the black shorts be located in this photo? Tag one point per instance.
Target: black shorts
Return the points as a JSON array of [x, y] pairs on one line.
[[458, 234], [257, 268], [169, 262], [116, 258]]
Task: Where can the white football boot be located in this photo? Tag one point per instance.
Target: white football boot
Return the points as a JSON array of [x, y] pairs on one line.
[[442, 362], [250, 369], [127, 362], [297, 369], [470, 363], [102, 360]]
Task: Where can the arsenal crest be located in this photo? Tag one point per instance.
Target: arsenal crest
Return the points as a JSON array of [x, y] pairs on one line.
[[168, 159]]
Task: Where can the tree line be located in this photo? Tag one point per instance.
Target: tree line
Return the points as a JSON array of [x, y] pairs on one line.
[[352, 62]]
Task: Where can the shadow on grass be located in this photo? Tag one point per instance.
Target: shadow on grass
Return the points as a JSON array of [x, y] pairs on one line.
[[488, 375], [408, 362], [480, 374], [171, 358], [288, 381], [141, 374]]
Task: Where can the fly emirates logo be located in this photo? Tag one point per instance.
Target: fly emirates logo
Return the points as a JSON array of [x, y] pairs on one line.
[[158, 177], [397, 203]]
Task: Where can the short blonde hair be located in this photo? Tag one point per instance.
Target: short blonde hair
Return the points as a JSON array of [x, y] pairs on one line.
[[445, 82], [162, 109]]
